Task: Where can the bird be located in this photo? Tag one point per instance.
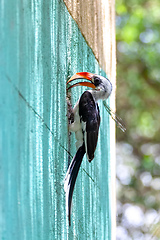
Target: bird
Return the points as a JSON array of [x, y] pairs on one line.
[[85, 123]]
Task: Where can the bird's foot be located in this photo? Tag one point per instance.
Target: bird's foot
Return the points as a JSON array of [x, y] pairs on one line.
[[70, 113]]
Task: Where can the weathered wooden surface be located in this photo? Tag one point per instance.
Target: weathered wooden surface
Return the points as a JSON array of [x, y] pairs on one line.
[[41, 46], [96, 20]]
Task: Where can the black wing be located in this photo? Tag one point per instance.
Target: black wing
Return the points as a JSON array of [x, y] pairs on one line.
[[90, 119]]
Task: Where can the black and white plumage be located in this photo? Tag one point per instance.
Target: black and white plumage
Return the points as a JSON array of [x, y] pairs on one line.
[[86, 126]]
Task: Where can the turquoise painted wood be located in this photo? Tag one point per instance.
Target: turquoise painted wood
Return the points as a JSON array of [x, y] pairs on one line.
[[40, 47]]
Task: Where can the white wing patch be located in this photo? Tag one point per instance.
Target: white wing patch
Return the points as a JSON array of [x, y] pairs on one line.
[[85, 137]]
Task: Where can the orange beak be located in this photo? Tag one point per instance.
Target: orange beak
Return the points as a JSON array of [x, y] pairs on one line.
[[82, 75]]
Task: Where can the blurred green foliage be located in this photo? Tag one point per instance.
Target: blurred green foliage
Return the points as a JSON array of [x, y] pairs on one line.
[[138, 102], [138, 69]]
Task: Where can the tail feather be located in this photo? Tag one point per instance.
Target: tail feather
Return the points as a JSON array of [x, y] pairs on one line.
[[71, 177]]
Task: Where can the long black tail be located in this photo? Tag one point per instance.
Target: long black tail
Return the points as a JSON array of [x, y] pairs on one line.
[[70, 178]]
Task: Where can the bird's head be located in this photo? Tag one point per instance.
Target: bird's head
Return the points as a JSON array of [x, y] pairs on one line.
[[101, 86]]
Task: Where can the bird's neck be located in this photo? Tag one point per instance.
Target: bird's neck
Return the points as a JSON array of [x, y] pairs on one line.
[[99, 94]]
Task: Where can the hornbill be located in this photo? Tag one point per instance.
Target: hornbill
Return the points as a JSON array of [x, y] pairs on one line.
[[85, 124]]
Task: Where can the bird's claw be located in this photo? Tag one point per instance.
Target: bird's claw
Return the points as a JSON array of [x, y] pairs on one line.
[[70, 113]]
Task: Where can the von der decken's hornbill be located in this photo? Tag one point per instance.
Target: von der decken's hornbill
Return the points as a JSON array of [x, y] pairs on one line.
[[85, 125]]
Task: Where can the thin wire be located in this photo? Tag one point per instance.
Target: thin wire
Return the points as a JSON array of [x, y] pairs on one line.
[[113, 115]]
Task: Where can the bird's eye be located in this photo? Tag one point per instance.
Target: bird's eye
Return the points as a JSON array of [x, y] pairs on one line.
[[96, 81]]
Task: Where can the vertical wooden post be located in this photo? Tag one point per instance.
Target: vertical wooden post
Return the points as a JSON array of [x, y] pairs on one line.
[[41, 46]]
